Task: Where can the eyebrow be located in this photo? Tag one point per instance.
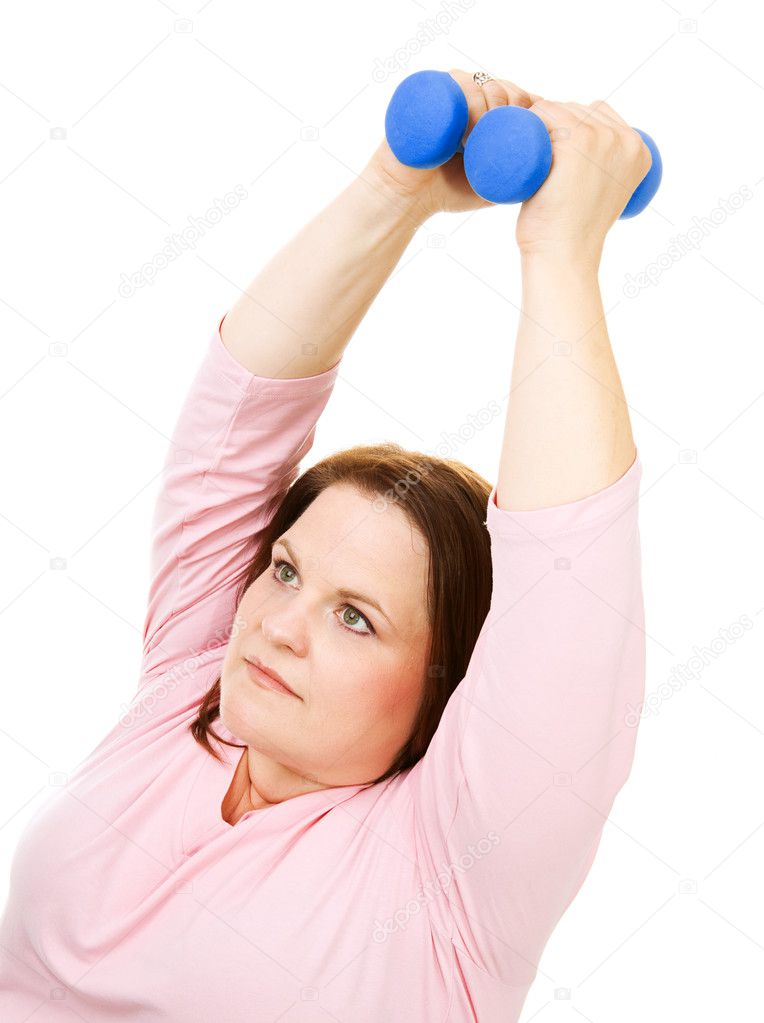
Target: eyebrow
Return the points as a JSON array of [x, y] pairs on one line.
[[340, 593]]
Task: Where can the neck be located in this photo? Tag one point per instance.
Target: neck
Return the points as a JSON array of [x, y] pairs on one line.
[[259, 781]]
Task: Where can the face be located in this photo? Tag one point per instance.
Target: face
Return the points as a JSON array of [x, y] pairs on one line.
[[358, 671]]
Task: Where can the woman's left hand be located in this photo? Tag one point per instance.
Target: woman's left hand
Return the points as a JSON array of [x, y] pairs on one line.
[[445, 189], [597, 162]]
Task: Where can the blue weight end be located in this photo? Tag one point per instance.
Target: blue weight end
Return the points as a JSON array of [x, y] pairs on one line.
[[426, 119], [648, 186], [508, 155]]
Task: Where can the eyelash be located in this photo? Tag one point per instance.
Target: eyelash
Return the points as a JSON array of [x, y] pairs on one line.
[[279, 562]]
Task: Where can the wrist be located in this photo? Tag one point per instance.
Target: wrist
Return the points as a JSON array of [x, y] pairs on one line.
[[561, 301], [558, 286], [391, 201], [571, 260]]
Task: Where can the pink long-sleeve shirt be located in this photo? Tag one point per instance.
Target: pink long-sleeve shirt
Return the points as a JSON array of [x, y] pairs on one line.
[[422, 899]]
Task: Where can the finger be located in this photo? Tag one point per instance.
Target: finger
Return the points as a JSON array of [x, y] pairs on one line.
[[592, 115], [595, 115], [599, 112], [551, 113], [502, 92], [631, 137], [497, 95], [476, 98], [604, 108]]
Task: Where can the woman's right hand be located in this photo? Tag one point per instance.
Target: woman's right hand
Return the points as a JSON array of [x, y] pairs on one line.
[[598, 161], [445, 189]]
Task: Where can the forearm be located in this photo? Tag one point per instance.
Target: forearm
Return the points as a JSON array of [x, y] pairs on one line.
[[298, 314], [567, 432]]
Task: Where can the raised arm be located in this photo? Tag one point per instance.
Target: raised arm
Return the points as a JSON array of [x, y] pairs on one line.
[[249, 416], [567, 431], [250, 413], [511, 797], [298, 314]]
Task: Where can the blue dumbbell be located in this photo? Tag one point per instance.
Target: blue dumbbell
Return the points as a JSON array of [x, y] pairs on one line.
[[508, 154]]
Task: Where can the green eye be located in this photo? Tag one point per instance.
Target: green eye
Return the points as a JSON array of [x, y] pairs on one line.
[[277, 573], [358, 615], [278, 565]]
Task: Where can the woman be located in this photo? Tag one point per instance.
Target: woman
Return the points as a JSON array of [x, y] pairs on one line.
[[394, 829]]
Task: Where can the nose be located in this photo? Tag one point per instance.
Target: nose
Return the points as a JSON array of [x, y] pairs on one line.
[[285, 628]]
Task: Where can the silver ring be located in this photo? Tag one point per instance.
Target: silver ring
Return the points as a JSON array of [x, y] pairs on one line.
[[481, 77]]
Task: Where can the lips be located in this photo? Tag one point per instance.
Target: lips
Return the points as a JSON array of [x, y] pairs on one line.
[[257, 670]]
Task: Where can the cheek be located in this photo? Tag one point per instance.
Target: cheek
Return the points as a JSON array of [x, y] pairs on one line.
[[253, 604], [376, 689], [348, 690]]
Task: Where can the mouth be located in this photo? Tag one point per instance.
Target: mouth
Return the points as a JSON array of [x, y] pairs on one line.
[[267, 678]]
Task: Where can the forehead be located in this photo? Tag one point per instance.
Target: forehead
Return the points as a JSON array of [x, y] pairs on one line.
[[347, 520]]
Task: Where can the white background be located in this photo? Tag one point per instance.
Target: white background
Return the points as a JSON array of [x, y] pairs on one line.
[[121, 122]]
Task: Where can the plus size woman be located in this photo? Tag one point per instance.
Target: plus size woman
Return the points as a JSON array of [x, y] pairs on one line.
[[380, 720]]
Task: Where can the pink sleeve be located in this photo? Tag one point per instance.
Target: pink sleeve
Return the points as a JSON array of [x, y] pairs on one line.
[[234, 452], [510, 799]]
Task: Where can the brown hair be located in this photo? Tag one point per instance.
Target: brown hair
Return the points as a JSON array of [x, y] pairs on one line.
[[446, 501]]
